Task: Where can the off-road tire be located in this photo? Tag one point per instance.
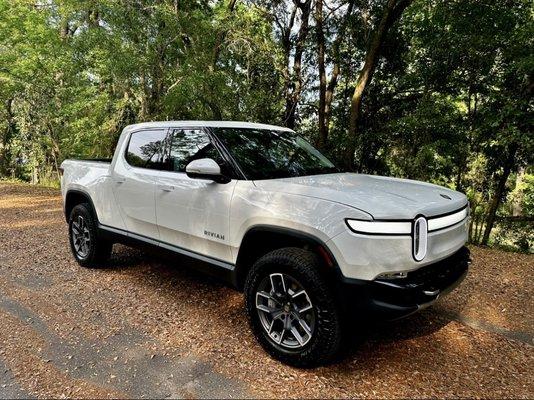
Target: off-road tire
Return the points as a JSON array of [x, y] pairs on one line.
[[99, 250], [305, 267]]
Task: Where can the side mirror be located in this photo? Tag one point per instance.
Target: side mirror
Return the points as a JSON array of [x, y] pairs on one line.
[[206, 168]]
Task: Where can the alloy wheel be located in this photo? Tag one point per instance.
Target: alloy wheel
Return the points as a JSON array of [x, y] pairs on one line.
[[285, 311], [81, 237]]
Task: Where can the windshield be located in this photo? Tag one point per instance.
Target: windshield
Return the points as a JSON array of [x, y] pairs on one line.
[[269, 154]]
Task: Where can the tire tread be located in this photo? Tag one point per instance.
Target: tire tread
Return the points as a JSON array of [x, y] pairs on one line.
[[305, 265], [100, 249]]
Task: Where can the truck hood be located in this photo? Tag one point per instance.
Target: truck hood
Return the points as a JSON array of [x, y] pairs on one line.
[[382, 197]]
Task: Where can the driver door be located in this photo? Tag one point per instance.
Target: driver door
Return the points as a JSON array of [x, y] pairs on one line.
[[193, 214]]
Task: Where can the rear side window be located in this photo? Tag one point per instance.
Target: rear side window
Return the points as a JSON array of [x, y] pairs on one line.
[[146, 149], [191, 144]]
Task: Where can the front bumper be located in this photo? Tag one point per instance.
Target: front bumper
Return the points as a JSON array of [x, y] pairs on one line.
[[389, 299], [366, 257]]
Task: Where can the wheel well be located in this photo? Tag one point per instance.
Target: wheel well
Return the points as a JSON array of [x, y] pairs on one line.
[[73, 199], [260, 241]]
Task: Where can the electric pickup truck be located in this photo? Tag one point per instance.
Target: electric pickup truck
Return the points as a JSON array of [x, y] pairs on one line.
[[311, 247]]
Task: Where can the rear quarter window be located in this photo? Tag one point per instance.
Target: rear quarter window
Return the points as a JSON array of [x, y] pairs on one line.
[[146, 149]]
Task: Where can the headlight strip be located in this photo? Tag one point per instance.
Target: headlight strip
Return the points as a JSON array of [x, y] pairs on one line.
[[404, 228], [438, 223], [380, 227]]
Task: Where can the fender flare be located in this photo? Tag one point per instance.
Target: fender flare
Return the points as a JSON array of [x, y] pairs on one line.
[[294, 233], [83, 194]]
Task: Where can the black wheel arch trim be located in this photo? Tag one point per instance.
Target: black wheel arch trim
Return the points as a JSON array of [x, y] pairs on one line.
[[81, 193], [297, 234]]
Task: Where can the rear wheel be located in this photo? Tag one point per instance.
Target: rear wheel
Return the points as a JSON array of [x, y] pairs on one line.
[[88, 250], [291, 308]]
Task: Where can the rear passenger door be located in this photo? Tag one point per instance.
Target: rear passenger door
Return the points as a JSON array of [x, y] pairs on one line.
[[134, 181], [193, 214]]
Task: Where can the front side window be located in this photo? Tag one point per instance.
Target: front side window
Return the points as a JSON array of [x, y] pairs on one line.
[[145, 149], [270, 154], [187, 145]]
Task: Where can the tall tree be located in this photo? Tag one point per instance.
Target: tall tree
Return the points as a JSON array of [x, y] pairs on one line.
[[327, 85], [392, 12], [294, 79]]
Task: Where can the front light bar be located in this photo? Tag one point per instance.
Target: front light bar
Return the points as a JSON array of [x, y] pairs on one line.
[[435, 224], [380, 227], [405, 227]]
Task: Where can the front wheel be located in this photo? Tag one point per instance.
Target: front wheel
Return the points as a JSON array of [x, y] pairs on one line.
[[88, 250], [291, 308]]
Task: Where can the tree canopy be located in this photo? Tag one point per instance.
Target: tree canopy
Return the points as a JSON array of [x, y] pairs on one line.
[[425, 89]]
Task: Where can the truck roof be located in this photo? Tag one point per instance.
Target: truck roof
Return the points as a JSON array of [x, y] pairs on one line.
[[212, 124]]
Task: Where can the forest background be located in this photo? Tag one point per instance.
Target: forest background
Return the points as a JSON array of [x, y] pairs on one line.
[[435, 90]]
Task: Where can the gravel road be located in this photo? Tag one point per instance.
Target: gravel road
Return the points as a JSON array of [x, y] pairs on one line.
[[143, 327]]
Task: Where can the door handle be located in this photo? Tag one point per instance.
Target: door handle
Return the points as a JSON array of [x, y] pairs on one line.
[[120, 180], [166, 188]]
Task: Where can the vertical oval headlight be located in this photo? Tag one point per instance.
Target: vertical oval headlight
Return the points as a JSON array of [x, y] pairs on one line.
[[420, 238]]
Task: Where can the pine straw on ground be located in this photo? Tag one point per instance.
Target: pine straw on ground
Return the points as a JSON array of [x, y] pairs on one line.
[[477, 342]]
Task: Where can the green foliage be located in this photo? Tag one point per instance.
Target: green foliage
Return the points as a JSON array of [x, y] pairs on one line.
[[514, 235], [521, 195], [450, 101]]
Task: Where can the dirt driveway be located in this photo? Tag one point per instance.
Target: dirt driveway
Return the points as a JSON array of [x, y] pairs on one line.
[[145, 328]]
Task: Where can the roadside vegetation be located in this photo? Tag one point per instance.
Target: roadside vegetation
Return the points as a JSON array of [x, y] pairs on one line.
[[434, 90]]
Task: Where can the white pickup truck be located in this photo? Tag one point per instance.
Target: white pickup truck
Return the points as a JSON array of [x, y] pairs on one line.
[[257, 205]]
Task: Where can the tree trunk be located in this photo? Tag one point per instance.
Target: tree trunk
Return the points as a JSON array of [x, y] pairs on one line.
[[323, 129], [496, 199], [329, 97], [472, 222], [5, 159], [481, 224], [392, 12], [326, 90], [475, 233], [517, 209], [295, 89], [286, 30]]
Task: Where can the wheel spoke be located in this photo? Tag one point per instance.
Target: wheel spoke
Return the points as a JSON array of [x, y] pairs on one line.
[[305, 308], [279, 287], [308, 305], [266, 309], [281, 337], [297, 335], [268, 296], [271, 327], [287, 322], [305, 327]]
